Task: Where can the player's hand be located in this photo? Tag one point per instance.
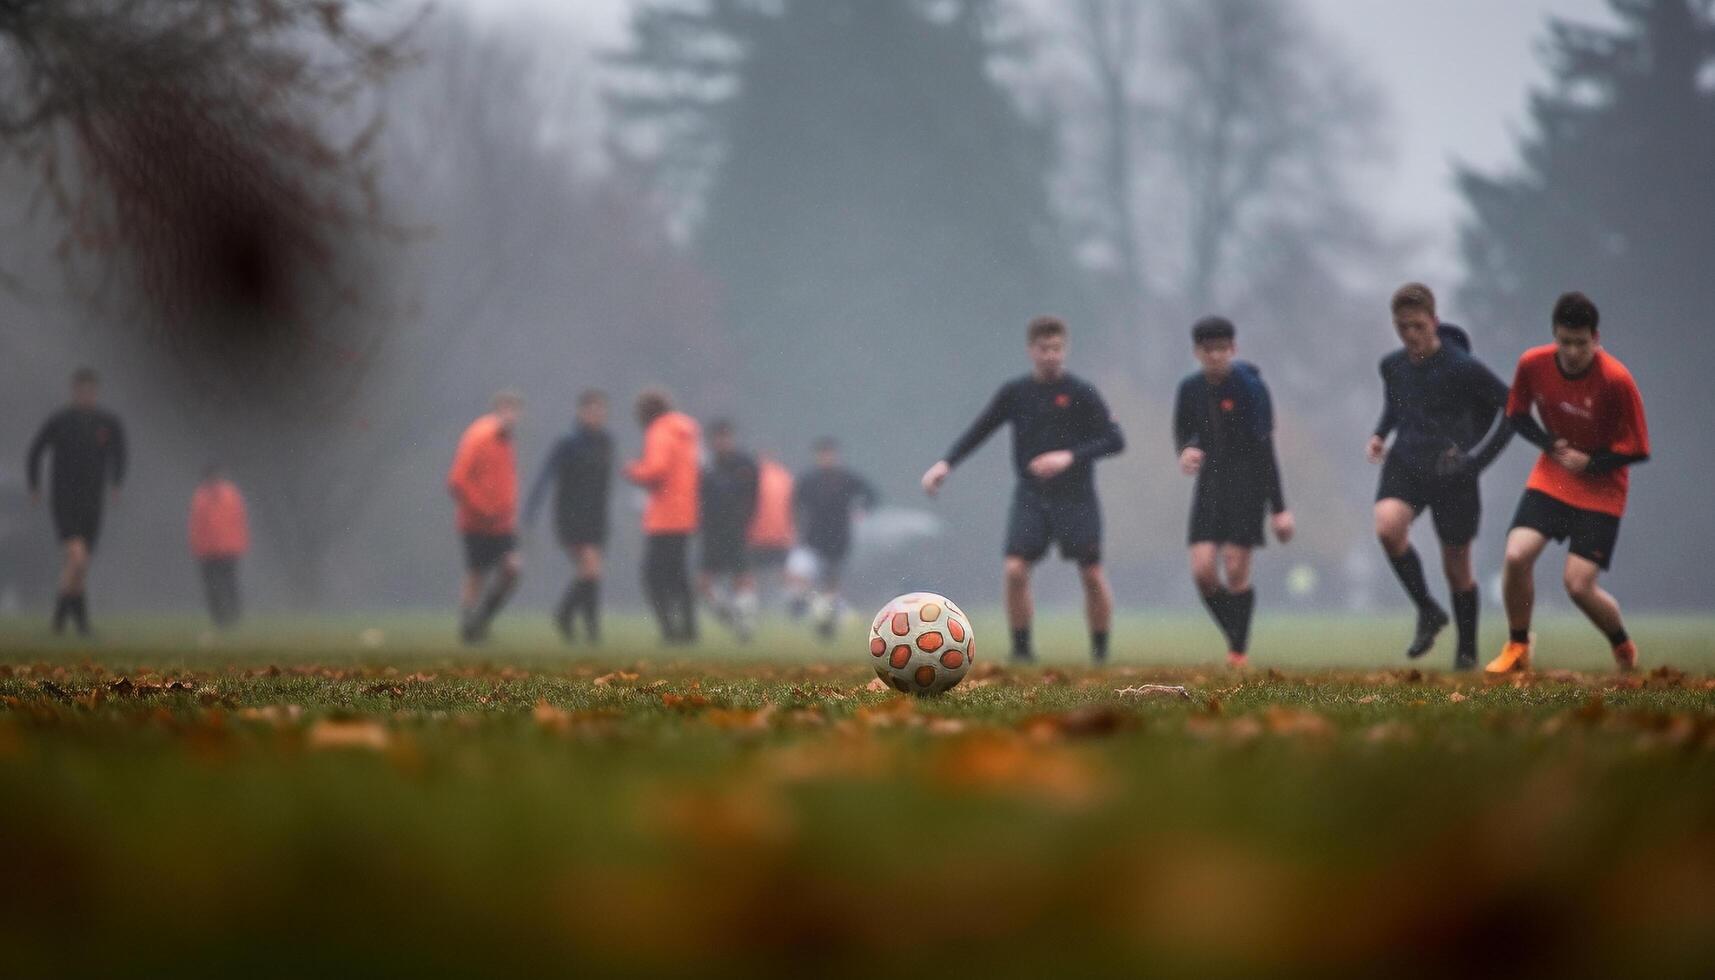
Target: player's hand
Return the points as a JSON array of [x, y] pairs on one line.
[[1570, 458], [1050, 465], [113, 495], [1376, 450], [1285, 526], [935, 476], [1191, 461], [35, 498]]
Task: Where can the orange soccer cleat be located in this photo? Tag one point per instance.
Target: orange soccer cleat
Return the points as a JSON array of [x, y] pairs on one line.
[[1514, 658], [1237, 661], [1626, 657]]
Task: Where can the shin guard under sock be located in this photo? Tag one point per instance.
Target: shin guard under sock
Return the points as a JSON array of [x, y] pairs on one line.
[[1409, 568]]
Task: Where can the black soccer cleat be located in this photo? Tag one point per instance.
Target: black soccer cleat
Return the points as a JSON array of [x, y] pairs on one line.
[[1430, 623], [1465, 661]]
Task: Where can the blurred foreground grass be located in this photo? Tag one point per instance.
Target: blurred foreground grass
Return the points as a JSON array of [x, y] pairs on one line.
[[297, 801]]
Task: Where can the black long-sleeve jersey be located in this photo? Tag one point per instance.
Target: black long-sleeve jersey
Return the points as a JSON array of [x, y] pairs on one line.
[[580, 468], [1232, 422], [1442, 406], [1047, 416], [823, 500], [88, 449], [728, 492]]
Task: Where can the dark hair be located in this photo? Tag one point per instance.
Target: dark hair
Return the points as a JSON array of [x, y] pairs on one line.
[[592, 396], [826, 444], [1212, 328], [1044, 326], [85, 376], [1413, 296], [653, 403], [1575, 311], [721, 427]]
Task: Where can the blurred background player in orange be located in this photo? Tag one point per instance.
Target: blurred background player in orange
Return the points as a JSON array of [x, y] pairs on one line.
[[1589, 423], [484, 482], [581, 470], [671, 473], [87, 444], [220, 535], [825, 500], [728, 507], [772, 531]]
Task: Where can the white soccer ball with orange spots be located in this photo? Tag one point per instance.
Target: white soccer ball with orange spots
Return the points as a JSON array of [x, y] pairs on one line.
[[920, 643]]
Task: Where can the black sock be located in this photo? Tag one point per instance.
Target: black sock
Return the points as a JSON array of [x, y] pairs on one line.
[[492, 602], [1021, 642], [62, 609], [1409, 568], [568, 607], [1240, 606], [1618, 636], [1465, 607], [1099, 644], [1220, 605], [589, 591], [80, 612], [1519, 636]]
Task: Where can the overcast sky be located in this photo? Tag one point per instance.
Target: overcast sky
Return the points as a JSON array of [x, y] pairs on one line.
[[1455, 74]]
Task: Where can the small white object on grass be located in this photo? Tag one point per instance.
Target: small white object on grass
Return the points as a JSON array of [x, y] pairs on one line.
[[1154, 691]]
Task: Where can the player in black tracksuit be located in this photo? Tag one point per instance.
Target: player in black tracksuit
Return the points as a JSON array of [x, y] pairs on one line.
[[1223, 429], [1060, 427], [728, 504], [87, 443], [1444, 411], [580, 468], [823, 502]]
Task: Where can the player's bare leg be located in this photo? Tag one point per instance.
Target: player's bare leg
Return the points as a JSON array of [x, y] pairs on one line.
[[1602, 609], [1393, 529], [1456, 565], [1518, 593], [1098, 609], [1206, 575], [1019, 608]]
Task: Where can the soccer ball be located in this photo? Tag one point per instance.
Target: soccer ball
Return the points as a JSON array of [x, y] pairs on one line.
[[921, 643]]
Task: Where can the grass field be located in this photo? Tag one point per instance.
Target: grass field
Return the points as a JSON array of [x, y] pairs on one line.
[[323, 797]]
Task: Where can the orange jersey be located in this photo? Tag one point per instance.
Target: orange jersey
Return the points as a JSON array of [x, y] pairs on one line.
[[1598, 411], [218, 525], [484, 479], [773, 526], [672, 474]]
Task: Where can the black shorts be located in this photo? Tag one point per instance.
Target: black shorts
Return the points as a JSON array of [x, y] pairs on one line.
[[1454, 502], [484, 551], [78, 519], [580, 533], [1590, 534], [769, 557], [1072, 520], [724, 553], [1227, 512]]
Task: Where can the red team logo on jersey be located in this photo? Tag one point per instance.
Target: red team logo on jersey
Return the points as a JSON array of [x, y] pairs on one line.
[[1226, 404], [1062, 400]]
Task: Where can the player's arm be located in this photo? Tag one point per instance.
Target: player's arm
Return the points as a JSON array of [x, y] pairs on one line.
[[1632, 446], [551, 466], [865, 494], [750, 491], [1103, 437], [464, 461], [33, 461], [656, 462], [1376, 449], [1519, 411], [992, 418], [117, 457], [1489, 396], [1187, 442]]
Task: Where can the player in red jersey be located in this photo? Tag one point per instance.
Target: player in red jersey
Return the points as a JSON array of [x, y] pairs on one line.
[[1589, 423]]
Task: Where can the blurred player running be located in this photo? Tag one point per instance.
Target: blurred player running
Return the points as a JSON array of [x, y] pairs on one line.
[[580, 469], [1060, 427], [219, 535], [772, 531], [1223, 427], [1443, 408], [484, 483], [1591, 430], [670, 472], [87, 444], [825, 500], [729, 491]]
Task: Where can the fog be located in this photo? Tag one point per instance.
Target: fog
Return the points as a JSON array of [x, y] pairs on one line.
[[835, 217]]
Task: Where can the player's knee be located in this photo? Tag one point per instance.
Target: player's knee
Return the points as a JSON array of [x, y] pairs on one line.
[[1519, 560], [1580, 585], [1017, 571]]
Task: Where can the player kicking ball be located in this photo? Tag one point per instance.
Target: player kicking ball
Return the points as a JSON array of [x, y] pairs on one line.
[[1060, 427], [1591, 430], [1443, 408], [1223, 426]]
